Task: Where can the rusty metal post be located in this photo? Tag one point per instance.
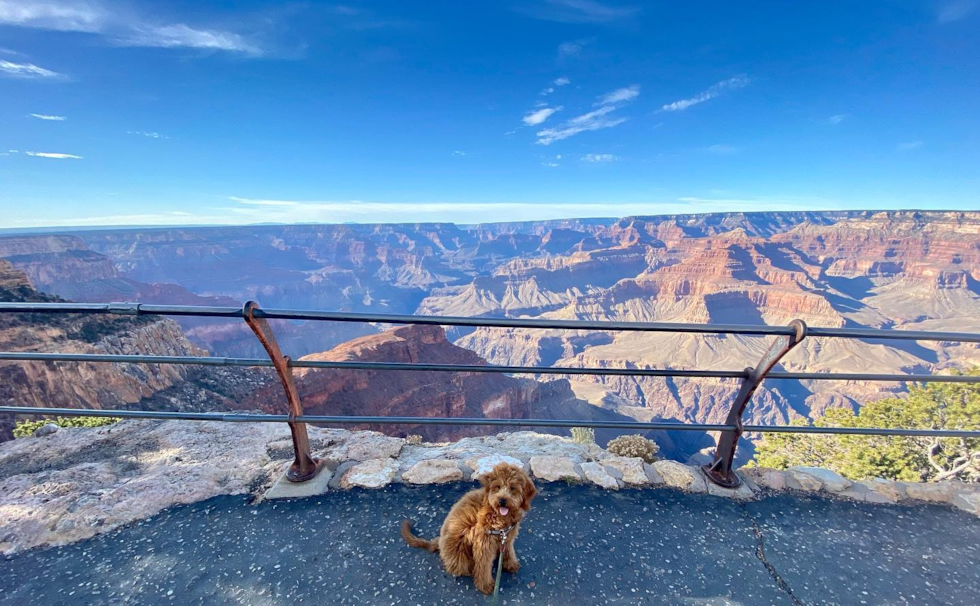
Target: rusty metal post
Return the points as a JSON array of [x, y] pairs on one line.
[[304, 466], [720, 470]]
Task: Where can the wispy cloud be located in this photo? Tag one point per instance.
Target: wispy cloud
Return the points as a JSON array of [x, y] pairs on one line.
[[54, 156], [577, 11], [909, 145], [460, 153], [954, 11], [722, 149], [563, 81], [121, 27], [183, 36], [27, 70], [539, 116], [620, 95], [716, 90], [552, 163], [597, 119], [151, 135], [48, 117], [570, 49], [599, 158], [836, 119], [78, 16]]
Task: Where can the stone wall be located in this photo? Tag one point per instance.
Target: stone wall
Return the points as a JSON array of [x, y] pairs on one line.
[[70, 484]]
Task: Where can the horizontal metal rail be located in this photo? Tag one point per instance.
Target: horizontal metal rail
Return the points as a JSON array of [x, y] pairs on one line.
[[143, 309], [305, 467], [362, 420], [353, 365]]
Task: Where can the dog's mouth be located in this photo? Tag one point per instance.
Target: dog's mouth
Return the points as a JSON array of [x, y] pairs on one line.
[[503, 510]]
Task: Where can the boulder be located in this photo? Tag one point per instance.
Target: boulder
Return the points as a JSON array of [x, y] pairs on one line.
[[433, 471], [485, 464], [374, 473], [967, 501], [552, 469], [773, 479], [363, 446], [681, 476], [830, 480], [887, 489], [597, 474], [860, 491], [46, 430], [799, 480], [938, 492], [630, 467]]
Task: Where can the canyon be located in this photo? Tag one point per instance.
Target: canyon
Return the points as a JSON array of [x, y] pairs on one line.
[[905, 270]]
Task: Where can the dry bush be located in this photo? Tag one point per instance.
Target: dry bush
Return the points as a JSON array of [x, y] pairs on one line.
[[634, 445]]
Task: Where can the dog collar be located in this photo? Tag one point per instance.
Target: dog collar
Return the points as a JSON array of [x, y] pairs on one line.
[[501, 533]]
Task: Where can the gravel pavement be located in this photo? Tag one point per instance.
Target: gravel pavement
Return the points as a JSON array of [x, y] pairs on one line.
[[579, 545]]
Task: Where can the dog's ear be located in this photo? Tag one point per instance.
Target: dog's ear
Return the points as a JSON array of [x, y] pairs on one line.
[[528, 492], [485, 479]]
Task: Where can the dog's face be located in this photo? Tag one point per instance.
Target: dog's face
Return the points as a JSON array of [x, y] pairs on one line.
[[507, 490]]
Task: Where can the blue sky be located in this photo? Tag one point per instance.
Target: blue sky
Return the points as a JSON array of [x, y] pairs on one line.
[[167, 113]]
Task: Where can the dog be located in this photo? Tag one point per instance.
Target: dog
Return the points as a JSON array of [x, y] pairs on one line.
[[470, 539]]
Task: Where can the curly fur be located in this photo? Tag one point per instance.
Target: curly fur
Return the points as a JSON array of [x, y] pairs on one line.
[[464, 544]]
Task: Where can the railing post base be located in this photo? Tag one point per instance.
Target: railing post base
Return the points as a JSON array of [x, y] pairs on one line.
[[304, 466], [729, 480], [721, 471]]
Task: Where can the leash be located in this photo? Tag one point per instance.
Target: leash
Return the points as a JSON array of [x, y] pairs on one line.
[[495, 600]]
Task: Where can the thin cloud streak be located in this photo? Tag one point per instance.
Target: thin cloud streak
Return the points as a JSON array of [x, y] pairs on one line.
[[253, 211], [54, 156], [954, 11], [27, 70], [620, 95], [597, 119], [716, 90], [48, 117], [538, 117], [120, 27], [599, 158], [578, 11], [151, 135]]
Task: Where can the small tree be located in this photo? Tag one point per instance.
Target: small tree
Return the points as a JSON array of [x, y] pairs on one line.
[[907, 458]]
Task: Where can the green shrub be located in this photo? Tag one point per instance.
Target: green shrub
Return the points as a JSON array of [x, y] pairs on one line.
[[26, 429], [634, 445], [583, 435]]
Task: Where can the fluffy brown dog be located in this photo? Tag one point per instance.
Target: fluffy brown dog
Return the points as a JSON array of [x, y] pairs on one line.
[[465, 543]]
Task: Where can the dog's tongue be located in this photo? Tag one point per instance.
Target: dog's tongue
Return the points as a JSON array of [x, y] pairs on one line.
[[504, 511]]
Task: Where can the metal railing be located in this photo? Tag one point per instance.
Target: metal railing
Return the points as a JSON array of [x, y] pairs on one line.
[[305, 467]]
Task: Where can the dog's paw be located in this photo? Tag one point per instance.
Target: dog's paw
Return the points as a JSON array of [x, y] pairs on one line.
[[512, 567], [485, 587]]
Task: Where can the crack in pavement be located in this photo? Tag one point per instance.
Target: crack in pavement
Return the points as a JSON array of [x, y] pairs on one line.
[[760, 553]]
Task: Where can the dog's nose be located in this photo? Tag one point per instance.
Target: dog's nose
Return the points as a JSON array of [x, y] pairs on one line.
[[502, 502]]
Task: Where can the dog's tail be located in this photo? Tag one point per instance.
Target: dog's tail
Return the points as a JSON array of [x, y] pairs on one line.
[[414, 541]]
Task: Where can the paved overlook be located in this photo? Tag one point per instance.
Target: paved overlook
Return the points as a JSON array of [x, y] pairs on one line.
[[579, 545]]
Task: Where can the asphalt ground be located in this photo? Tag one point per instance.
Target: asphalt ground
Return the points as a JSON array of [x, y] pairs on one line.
[[578, 545]]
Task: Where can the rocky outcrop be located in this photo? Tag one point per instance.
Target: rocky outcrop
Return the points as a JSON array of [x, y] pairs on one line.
[[421, 394], [896, 269], [77, 384]]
